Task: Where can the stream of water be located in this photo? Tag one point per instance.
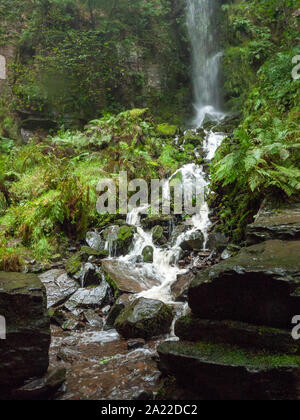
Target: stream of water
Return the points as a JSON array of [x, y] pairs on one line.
[[206, 58]]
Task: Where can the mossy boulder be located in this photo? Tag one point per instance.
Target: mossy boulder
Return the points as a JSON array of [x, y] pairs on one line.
[[158, 235], [224, 372], [150, 222], [191, 328], [260, 286], [144, 318], [120, 238], [24, 353], [73, 264], [167, 130], [147, 254]]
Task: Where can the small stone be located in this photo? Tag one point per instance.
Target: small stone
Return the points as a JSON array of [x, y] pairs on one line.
[[136, 343]]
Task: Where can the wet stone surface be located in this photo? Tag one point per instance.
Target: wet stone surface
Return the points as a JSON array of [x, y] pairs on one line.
[[101, 367]]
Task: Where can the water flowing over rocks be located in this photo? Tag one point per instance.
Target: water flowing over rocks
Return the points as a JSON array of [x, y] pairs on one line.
[[24, 353], [237, 342]]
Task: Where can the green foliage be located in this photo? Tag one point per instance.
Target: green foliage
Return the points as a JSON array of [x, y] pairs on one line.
[[50, 186], [77, 58], [263, 157]]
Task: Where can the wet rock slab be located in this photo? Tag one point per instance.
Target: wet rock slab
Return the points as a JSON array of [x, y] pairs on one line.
[[275, 221], [89, 298], [59, 286], [260, 286], [230, 373], [191, 328], [24, 353], [127, 277], [101, 367]]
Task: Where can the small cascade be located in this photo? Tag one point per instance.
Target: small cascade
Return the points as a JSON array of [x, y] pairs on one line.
[[110, 244], [165, 260]]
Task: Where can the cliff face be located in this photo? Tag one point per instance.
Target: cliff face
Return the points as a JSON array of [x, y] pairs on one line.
[[74, 60]]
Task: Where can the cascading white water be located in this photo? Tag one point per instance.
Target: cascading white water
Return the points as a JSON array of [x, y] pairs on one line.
[[206, 59]]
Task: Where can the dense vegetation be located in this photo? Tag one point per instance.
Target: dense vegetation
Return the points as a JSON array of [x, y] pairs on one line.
[[76, 61], [263, 156]]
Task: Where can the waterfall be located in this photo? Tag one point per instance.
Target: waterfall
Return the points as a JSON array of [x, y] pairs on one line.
[[205, 59], [165, 268]]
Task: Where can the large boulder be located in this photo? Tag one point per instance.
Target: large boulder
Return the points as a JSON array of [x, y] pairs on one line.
[[144, 318], [275, 221], [191, 328], [119, 239], [193, 242], [260, 286], [24, 352], [95, 241], [92, 297], [59, 286], [126, 277], [219, 371], [147, 254], [158, 235]]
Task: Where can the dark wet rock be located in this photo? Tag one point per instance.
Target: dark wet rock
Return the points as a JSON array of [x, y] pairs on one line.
[[180, 288], [95, 241], [260, 286], [194, 242], [230, 251], [217, 241], [24, 353], [231, 373], [90, 275], [59, 286], [93, 319], [158, 235], [191, 328], [228, 124], [121, 303], [135, 343], [275, 221], [177, 231], [120, 238], [126, 277], [194, 137], [57, 316], [143, 396], [92, 297], [144, 318], [43, 388], [71, 323], [150, 222], [147, 254]]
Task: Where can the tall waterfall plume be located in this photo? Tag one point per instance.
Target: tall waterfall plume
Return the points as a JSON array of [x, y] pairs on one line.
[[206, 55]]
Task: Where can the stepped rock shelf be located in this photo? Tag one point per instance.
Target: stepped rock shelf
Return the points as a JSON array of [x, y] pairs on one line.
[[24, 353], [237, 342]]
